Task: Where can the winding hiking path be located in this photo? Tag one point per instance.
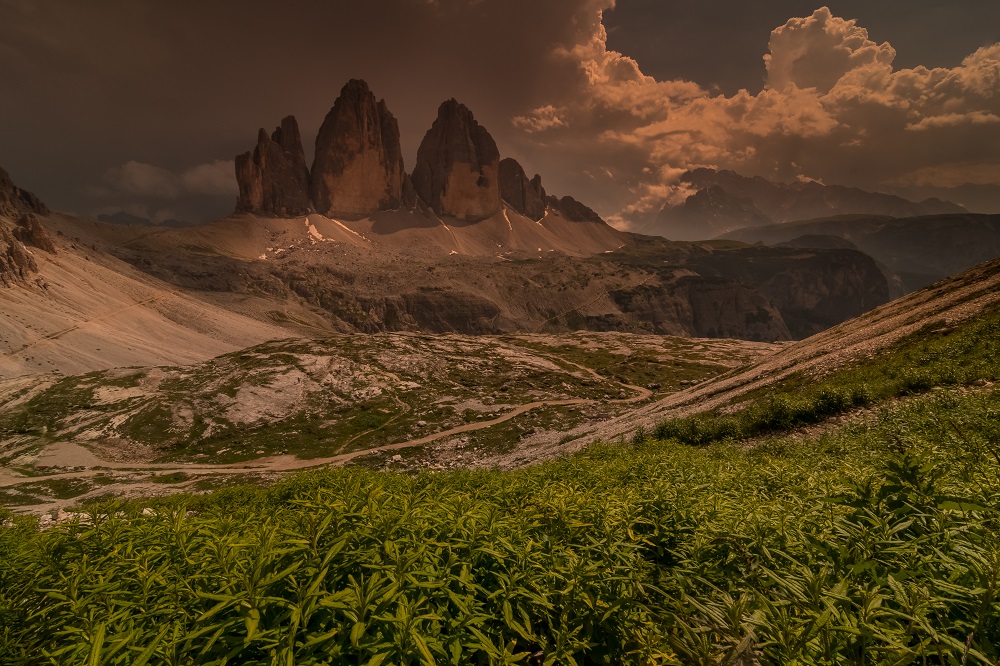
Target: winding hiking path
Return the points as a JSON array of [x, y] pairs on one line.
[[74, 455]]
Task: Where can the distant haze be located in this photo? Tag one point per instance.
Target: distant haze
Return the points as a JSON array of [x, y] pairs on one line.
[[140, 106]]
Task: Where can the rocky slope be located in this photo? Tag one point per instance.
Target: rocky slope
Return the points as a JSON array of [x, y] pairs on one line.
[[20, 230], [274, 178], [458, 166], [14, 201], [376, 275], [921, 250], [358, 168], [936, 309], [725, 201]]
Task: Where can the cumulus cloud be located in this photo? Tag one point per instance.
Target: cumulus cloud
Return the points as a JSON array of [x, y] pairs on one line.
[[833, 108], [540, 119]]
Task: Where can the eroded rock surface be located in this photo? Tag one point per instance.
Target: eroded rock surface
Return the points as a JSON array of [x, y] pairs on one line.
[[16, 260], [14, 201], [458, 165], [274, 178], [525, 196], [358, 168]]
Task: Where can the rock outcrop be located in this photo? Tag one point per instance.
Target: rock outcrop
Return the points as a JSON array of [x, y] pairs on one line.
[[30, 232], [274, 178], [573, 210], [16, 261], [14, 201], [525, 196], [358, 168], [458, 166]]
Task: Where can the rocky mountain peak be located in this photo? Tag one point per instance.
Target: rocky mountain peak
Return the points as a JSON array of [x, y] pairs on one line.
[[274, 179], [458, 165], [525, 196], [573, 210], [358, 168]]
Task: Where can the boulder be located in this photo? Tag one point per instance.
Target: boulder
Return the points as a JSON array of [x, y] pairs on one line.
[[358, 168], [274, 179], [458, 166], [525, 196]]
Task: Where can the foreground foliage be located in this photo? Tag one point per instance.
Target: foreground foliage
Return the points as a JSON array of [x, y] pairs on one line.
[[874, 544], [935, 356]]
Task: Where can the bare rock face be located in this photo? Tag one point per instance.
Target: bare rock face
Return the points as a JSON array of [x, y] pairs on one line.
[[15, 201], [274, 179], [573, 210], [30, 232], [358, 168], [525, 196], [16, 263], [410, 198], [458, 166]]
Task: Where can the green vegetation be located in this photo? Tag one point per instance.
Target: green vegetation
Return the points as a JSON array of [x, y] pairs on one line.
[[875, 542], [935, 356]]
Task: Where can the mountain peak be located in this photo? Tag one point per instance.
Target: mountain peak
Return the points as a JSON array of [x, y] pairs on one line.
[[458, 165], [358, 168], [274, 178]]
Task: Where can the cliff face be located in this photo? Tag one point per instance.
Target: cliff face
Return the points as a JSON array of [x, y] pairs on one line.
[[458, 166], [20, 229], [14, 201], [813, 289], [274, 179], [358, 168], [525, 196], [705, 308]]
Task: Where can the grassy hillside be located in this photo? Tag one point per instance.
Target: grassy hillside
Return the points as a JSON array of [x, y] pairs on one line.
[[871, 539]]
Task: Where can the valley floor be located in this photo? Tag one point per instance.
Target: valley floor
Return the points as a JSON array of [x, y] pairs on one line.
[[394, 401]]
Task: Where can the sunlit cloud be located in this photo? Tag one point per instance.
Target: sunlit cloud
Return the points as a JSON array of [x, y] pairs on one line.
[[832, 108]]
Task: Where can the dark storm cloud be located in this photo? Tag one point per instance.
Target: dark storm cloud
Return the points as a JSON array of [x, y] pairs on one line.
[[90, 87], [141, 104]]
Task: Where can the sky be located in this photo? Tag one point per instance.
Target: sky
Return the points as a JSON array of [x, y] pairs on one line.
[[141, 105]]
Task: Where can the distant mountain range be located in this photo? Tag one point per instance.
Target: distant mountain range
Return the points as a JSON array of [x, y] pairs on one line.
[[920, 250], [725, 201]]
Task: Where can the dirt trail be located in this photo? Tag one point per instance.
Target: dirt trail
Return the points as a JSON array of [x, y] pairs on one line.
[[77, 455], [949, 301]]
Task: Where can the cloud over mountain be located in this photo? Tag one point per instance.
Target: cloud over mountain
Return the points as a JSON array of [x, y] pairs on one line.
[[833, 107]]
